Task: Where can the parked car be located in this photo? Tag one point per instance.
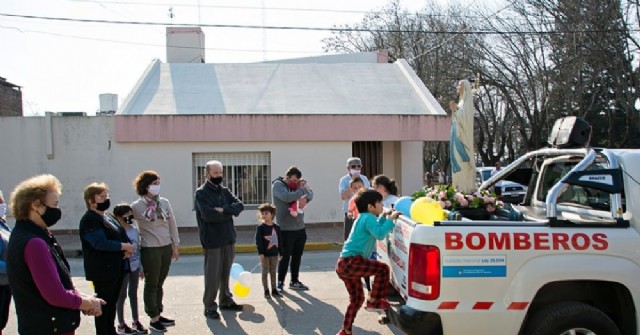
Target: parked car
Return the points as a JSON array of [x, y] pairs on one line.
[[510, 191]]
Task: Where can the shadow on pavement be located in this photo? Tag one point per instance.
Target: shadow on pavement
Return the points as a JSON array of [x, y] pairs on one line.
[[230, 322]]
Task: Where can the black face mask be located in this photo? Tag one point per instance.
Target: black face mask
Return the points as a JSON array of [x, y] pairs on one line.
[[51, 216], [216, 180], [128, 219], [103, 206]]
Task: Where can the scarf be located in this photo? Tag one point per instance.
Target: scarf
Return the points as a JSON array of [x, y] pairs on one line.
[[154, 210]]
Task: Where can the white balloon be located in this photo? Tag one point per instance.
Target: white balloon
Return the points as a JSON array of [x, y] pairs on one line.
[[245, 278]]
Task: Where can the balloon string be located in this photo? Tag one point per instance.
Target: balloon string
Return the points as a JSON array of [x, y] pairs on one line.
[[255, 267]]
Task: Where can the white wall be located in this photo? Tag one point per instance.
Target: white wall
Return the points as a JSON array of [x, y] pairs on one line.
[[84, 152], [411, 166], [402, 161]]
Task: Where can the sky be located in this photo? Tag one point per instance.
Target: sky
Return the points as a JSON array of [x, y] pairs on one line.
[[64, 66]]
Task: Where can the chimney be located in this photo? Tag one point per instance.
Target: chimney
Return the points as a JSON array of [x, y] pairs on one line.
[[108, 104], [185, 45]]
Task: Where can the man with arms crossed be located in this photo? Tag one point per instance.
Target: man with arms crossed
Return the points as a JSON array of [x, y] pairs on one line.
[[215, 208]]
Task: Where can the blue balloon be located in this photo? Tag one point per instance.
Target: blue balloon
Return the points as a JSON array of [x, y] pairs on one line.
[[236, 270], [403, 205]]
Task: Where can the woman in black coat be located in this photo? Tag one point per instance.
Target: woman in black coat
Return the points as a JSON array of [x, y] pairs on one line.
[[105, 248]]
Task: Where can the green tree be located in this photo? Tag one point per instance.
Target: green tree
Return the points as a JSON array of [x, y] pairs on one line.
[[593, 72]]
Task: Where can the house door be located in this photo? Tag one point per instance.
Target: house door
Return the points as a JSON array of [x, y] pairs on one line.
[[371, 155]]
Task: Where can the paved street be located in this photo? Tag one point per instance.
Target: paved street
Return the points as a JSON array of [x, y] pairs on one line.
[[318, 311]]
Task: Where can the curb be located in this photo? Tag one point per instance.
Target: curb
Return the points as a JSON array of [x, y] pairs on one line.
[[251, 248], [240, 249]]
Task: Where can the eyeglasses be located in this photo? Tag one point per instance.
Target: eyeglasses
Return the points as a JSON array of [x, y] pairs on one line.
[[356, 166]]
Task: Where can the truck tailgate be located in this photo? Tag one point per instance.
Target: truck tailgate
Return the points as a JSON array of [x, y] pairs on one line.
[[394, 251]]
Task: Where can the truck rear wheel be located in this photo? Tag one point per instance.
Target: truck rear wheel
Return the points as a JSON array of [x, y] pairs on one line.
[[571, 318]]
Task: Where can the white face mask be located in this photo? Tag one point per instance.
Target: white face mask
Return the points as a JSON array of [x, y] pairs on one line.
[[354, 172], [3, 209], [154, 189]]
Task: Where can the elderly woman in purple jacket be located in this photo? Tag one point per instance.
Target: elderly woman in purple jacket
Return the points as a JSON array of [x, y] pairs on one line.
[[45, 299]]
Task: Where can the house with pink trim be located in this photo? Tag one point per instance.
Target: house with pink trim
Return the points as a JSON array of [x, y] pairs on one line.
[[256, 118]]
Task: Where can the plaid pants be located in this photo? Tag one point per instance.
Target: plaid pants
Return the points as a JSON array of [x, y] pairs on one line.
[[351, 270]]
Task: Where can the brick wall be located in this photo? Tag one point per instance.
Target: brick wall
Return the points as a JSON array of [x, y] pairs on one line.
[[10, 99]]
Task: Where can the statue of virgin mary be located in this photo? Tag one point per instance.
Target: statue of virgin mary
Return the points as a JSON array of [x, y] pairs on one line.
[[461, 143]]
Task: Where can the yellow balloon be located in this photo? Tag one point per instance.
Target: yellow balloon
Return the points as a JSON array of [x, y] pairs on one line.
[[240, 290], [426, 210]]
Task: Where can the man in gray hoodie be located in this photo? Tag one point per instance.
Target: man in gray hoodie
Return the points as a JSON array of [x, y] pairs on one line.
[[294, 235]]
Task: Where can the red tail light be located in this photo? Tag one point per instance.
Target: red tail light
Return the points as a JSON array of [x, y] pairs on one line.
[[424, 274]]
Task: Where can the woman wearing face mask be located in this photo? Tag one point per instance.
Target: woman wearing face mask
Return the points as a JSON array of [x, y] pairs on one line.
[[105, 247], [45, 299], [159, 243]]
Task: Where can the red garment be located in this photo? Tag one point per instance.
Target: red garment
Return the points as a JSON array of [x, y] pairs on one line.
[[353, 209], [350, 270], [293, 206]]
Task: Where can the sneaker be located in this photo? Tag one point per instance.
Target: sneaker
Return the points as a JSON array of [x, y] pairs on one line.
[[275, 293], [298, 286], [211, 314], [157, 326], [231, 307], [167, 322], [123, 329], [266, 294], [139, 328], [280, 286], [378, 305]]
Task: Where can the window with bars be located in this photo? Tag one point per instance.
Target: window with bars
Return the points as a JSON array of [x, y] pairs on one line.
[[246, 174]]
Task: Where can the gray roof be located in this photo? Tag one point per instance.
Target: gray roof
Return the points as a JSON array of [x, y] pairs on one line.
[[359, 57], [283, 89]]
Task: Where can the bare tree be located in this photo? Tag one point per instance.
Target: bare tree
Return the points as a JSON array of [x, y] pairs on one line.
[[428, 40]]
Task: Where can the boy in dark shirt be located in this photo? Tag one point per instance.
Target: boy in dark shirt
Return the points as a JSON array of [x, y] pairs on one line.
[[269, 247]]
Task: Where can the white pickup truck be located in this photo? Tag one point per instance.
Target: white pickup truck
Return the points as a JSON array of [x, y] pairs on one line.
[[565, 261]]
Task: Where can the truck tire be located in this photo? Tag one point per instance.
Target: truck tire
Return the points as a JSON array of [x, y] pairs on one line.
[[573, 318]]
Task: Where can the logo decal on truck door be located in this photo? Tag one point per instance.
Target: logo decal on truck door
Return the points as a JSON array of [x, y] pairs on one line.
[[474, 266]]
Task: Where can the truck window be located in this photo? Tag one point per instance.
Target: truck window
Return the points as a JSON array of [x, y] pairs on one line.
[[578, 195]]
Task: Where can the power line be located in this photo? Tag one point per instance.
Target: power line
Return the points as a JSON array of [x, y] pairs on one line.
[[152, 44], [158, 4], [321, 10], [423, 38], [346, 11], [330, 29], [449, 40]]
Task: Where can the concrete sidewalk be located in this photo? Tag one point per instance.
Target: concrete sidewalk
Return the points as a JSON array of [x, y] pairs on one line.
[[320, 236]]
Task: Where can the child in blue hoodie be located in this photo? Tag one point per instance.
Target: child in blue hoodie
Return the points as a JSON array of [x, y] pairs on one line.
[[354, 263]]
